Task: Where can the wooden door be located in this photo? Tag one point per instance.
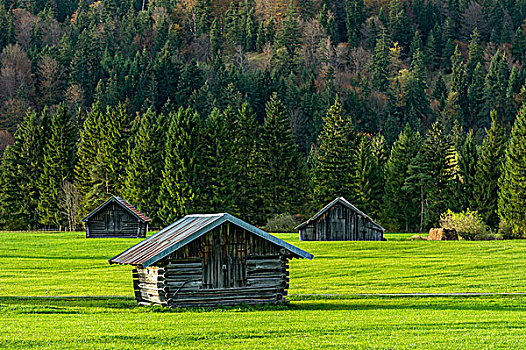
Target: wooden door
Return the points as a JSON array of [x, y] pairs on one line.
[[224, 265]]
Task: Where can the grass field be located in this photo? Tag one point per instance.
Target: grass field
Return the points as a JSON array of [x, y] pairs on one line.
[[67, 264]]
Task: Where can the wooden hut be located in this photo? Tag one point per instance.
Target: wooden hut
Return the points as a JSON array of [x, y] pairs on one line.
[[210, 260], [116, 218], [340, 221]]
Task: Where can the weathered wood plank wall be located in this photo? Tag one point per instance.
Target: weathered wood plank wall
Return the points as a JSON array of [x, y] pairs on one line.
[[226, 266], [340, 223], [114, 221]]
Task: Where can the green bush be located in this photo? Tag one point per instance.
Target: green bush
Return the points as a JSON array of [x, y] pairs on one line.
[[281, 223], [468, 224]]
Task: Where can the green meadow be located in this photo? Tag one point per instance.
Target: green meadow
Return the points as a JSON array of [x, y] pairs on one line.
[[57, 291]]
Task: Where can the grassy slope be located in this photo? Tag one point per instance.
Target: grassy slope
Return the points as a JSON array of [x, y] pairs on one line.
[[68, 264]]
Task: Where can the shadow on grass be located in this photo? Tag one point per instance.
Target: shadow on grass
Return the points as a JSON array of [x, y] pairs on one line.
[[72, 305]]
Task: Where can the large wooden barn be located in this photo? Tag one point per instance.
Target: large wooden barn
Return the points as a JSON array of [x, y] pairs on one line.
[[210, 260], [340, 221], [116, 218]]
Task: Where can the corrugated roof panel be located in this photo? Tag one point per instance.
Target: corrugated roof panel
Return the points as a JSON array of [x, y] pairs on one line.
[[184, 231]]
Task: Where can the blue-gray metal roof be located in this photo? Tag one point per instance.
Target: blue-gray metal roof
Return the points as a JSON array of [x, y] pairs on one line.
[[184, 231], [346, 203]]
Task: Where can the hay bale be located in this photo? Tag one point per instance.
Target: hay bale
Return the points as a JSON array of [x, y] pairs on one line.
[[442, 234]]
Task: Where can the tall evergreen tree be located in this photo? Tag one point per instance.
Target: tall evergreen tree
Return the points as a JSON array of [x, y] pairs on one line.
[[58, 165], [467, 162], [381, 61], [400, 206], [218, 183], [145, 164], [489, 169], [354, 21], [21, 164], [496, 84], [246, 165], [459, 83], [512, 183], [179, 193], [283, 174], [335, 163], [369, 180], [429, 174], [476, 100]]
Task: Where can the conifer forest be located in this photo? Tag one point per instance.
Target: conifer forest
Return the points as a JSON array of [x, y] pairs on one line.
[[259, 108]]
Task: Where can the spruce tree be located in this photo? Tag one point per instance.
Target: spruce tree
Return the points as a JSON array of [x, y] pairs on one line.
[[354, 21], [400, 206], [21, 165], [381, 61], [489, 169], [369, 184], [476, 100], [467, 162], [496, 84], [87, 150], [179, 192], [107, 169], [476, 54], [58, 165], [429, 174], [512, 183], [335, 162], [218, 185], [284, 171], [246, 163], [459, 83], [145, 165], [417, 104]]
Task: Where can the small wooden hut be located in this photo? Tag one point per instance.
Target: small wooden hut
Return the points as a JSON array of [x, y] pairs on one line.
[[210, 260], [340, 221], [116, 218]]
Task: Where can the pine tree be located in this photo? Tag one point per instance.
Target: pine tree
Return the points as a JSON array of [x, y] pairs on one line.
[[489, 169], [476, 54], [246, 165], [416, 44], [512, 183], [429, 174], [459, 83], [288, 35], [518, 45], [467, 161], [476, 100], [381, 61], [58, 165], [218, 185], [108, 167], [145, 164], [400, 206], [283, 174], [417, 104], [369, 182], [440, 92], [354, 21], [496, 84], [335, 162], [179, 193], [21, 164], [86, 152]]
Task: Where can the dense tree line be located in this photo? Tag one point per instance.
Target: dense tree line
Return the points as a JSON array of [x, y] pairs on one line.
[[173, 104]]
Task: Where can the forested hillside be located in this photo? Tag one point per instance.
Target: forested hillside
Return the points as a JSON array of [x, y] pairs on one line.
[[262, 107]]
